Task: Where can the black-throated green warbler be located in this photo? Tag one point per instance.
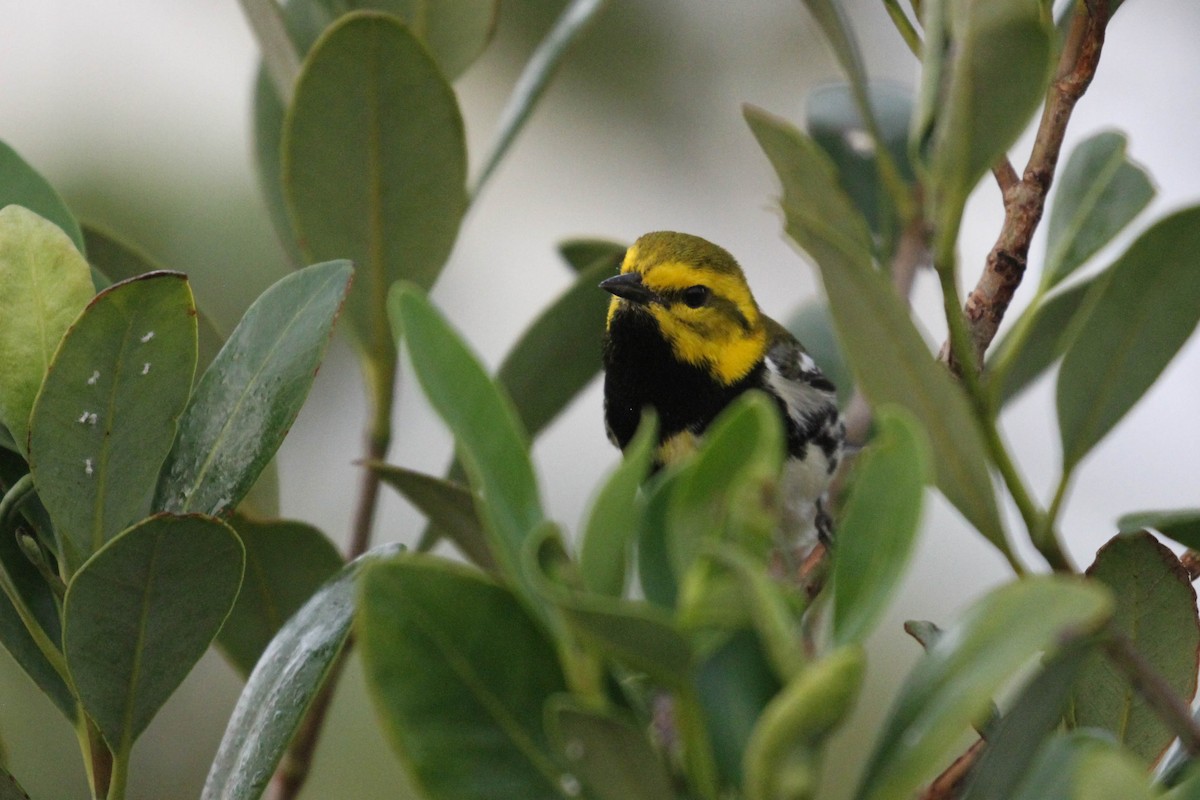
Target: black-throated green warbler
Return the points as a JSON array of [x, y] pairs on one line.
[[685, 337]]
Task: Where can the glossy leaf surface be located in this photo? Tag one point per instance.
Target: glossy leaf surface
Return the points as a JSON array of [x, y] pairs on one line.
[[22, 185], [247, 399], [286, 562], [887, 354], [1147, 308], [611, 757], [490, 441], [46, 283], [953, 684], [448, 505], [141, 612], [374, 164], [1156, 611], [460, 675], [878, 525], [1099, 193], [107, 413], [282, 686]]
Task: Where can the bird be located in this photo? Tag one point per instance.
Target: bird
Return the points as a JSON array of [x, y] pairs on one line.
[[685, 337]]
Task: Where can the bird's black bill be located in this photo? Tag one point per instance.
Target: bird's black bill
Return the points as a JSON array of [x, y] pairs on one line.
[[629, 286]]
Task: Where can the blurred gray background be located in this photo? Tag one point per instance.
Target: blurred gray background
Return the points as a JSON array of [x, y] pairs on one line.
[[138, 111]]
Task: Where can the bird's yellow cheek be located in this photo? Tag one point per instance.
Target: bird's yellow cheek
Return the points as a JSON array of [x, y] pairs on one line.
[[726, 351]]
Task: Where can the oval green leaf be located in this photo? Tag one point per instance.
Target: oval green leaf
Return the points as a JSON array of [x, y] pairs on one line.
[[374, 164], [1084, 766], [22, 185], [582, 253], [889, 358], [141, 612], [1156, 611], [283, 684], [248, 397], [610, 756], [44, 284], [286, 562], [953, 684], [1099, 193], [491, 443], [878, 525], [108, 410], [1182, 525], [460, 674], [1147, 307], [448, 505]]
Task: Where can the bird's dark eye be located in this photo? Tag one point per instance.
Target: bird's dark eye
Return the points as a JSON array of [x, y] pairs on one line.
[[696, 296]]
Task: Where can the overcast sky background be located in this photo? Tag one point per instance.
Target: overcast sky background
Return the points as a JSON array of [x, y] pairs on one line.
[[138, 112]]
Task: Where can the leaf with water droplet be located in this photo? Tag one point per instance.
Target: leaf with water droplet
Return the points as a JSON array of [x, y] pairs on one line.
[[104, 420]]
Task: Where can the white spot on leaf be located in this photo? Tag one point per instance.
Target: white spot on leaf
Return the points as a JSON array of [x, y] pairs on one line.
[[146, 368], [88, 417], [87, 466], [95, 377], [147, 336]]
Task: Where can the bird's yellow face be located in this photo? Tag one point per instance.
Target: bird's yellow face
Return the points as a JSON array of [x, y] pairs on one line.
[[699, 297]]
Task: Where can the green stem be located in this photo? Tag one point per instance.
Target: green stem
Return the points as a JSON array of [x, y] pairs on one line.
[[904, 25], [120, 775], [1012, 345], [97, 759]]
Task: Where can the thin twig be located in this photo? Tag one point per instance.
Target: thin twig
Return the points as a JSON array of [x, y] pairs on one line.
[[953, 780], [1025, 201], [1154, 689]]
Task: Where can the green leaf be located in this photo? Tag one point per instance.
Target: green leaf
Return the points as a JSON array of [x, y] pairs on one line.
[[448, 505], [832, 19], [656, 575], [953, 684], [812, 324], [1099, 193], [582, 253], [1040, 345], [118, 261], [247, 399], [374, 164], [283, 684], [994, 76], [890, 359], [1084, 766], [286, 562], [833, 119], [1156, 611], [1182, 525], [611, 757], [9, 788], [1036, 714], [460, 674], [455, 32], [534, 79], [781, 756], [1146, 309], [616, 515], [108, 410], [491, 443], [878, 525], [44, 284], [638, 635], [141, 612], [22, 185]]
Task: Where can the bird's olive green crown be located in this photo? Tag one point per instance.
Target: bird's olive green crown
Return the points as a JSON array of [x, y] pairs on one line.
[[698, 296]]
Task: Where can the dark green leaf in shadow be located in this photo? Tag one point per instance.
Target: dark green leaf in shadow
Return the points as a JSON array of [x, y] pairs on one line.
[[611, 757], [490, 440], [22, 185], [107, 413], [656, 576], [1041, 345], [1036, 714], [46, 284], [1182, 525], [283, 684], [1156, 611], [583, 253], [638, 635], [878, 525], [460, 674], [734, 683], [286, 562], [9, 788], [249, 396], [615, 517], [1084, 766], [374, 165], [782, 757], [833, 120], [1147, 307], [887, 354], [448, 505], [812, 324], [141, 612], [952, 685], [1099, 193]]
